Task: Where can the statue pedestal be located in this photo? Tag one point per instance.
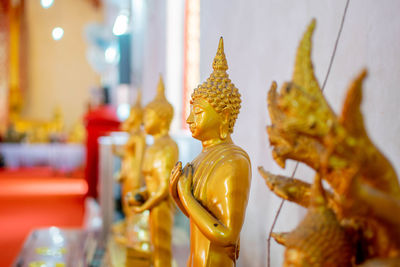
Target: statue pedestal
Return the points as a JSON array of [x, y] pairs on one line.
[[119, 254], [137, 258]]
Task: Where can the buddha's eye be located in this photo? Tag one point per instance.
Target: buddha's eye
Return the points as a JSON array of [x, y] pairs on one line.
[[197, 110]]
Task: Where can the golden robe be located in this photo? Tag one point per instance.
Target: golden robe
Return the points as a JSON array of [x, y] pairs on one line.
[[219, 188], [158, 162]]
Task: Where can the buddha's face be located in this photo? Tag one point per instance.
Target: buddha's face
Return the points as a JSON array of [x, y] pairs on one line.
[[152, 121], [133, 122], [204, 122]]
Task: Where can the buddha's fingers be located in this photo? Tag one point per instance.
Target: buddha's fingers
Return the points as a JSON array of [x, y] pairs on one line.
[[120, 178], [176, 173], [173, 183]]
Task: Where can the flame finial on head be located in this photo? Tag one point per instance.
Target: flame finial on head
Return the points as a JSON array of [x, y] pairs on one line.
[[160, 90], [135, 119], [220, 63], [138, 99], [219, 90], [160, 103]]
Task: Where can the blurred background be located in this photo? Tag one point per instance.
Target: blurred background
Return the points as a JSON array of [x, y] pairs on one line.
[[70, 69]]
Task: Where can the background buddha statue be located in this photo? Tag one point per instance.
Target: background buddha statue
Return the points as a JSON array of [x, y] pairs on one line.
[[365, 192], [159, 159], [213, 189], [130, 176]]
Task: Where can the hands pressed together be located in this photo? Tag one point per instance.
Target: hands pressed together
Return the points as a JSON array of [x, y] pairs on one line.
[[181, 179]]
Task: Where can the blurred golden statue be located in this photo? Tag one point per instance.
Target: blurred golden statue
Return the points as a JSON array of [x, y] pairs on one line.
[[365, 197], [37, 131], [77, 134], [130, 176], [213, 189], [159, 159]]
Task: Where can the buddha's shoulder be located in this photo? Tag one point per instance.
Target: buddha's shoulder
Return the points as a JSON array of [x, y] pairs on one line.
[[232, 152], [165, 144], [227, 158], [168, 142], [140, 135], [232, 166], [137, 137]]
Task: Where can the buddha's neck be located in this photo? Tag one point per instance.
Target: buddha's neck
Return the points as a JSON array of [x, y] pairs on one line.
[[135, 130], [207, 144], [161, 134]]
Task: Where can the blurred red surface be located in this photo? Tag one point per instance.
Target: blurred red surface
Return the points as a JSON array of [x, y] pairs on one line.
[[99, 122], [31, 199]]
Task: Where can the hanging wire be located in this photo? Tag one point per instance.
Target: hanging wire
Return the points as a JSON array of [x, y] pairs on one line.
[[297, 163], [276, 218], [336, 45]]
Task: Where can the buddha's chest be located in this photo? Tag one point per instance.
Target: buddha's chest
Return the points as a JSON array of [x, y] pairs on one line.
[[151, 162], [150, 159], [206, 188]]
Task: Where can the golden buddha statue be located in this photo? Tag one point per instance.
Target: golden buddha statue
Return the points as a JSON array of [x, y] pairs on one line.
[[365, 196], [213, 189], [130, 176], [159, 159]]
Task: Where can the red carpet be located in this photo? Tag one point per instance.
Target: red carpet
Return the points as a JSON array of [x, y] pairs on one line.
[[28, 201]]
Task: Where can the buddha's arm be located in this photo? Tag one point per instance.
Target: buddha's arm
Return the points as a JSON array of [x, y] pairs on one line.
[[122, 174], [139, 146], [137, 197], [117, 150], [119, 177], [231, 195], [181, 206], [161, 173]]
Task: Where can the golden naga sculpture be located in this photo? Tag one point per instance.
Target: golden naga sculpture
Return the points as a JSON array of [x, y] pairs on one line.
[[303, 243], [130, 176], [365, 196], [213, 189], [159, 159]]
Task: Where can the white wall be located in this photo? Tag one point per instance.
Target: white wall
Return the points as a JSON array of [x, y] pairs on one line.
[[261, 38], [154, 58], [163, 53]]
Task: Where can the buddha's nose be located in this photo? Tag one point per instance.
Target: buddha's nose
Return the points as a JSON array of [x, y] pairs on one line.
[[189, 119]]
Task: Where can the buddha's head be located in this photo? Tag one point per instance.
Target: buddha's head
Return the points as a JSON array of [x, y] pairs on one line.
[[215, 104], [135, 119], [158, 113]]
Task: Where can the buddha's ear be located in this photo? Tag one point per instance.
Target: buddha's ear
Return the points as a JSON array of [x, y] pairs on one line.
[[224, 128], [225, 114]]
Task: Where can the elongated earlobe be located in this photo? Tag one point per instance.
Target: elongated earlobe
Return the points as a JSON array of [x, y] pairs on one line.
[[223, 131], [224, 128]]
